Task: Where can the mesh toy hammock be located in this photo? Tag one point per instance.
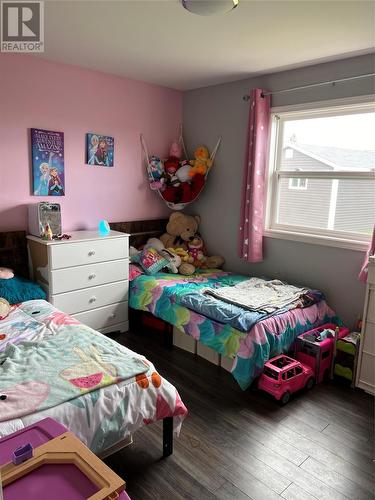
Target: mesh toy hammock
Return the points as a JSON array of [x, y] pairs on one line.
[[170, 204]]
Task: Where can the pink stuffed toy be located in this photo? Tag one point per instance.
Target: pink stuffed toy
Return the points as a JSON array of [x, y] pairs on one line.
[[175, 151]]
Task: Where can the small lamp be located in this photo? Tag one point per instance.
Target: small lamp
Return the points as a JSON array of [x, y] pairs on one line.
[[103, 227]]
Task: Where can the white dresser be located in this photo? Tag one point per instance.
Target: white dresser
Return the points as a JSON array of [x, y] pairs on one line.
[[366, 362], [85, 276]]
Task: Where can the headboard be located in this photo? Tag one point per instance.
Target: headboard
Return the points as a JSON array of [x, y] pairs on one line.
[[141, 230], [13, 252]]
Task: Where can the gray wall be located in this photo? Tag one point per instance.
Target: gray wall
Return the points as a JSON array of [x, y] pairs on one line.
[[220, 110]]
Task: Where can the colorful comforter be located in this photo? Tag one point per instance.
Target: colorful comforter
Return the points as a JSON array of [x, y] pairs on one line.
[[100, 415], [164, 296]]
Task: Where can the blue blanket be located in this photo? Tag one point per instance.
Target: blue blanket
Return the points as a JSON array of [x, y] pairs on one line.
[[239, 318], [221, 311]]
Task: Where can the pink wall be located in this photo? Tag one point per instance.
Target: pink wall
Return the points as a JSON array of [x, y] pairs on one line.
[[42, 94]]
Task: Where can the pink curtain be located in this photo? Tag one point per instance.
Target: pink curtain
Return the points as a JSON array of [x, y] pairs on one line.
[[371, 251], [254, 179]]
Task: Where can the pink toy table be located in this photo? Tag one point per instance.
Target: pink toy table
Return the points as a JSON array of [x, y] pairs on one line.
[[65, 481]]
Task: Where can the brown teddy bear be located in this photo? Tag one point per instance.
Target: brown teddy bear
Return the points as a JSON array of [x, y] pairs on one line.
[[181, 229]]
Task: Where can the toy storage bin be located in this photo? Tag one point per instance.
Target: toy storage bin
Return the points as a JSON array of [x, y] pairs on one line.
[[347, 350], [184, 341], [318, 354], [208, 354]]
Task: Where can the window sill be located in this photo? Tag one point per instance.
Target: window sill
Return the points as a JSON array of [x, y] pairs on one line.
[[317, 240]]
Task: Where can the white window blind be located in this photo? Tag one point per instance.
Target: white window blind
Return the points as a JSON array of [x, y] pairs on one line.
[[322, 173]]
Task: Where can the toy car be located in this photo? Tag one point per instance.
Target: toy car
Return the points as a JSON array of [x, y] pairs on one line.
[[283, 375]]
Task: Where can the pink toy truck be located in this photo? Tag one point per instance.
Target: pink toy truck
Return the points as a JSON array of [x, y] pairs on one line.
[[282, 376], [315, 348]]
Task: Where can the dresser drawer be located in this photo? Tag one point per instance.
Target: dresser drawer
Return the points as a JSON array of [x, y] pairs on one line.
[[75, 278], [104, 317], [91, 298], [88, 252]]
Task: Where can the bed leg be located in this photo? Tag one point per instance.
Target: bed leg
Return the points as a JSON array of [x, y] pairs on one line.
[[167, 436], [168, 336]]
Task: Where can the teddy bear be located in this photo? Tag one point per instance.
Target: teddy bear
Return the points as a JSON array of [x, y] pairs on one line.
[[181, 229], [202, 162]]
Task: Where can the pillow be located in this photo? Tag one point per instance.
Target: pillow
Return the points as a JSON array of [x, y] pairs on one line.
[[6, 273], [16, 290], [134, 271], [150, 260]]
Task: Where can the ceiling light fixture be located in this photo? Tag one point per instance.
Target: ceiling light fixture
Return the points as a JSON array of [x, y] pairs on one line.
[[209, 7]]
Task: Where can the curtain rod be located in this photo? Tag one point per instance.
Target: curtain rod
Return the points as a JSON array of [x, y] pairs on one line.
[[330, 82]]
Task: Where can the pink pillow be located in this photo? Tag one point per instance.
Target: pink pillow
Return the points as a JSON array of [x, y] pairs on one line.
[[134, 271]]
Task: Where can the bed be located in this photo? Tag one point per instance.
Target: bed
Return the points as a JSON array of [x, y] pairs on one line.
[[165, 296], [104, 407]]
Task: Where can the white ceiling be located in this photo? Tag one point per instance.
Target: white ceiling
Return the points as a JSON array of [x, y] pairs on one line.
[[158, 41]]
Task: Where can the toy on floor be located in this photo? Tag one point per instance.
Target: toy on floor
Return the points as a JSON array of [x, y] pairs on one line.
[[347, 350], [65, 450], [282, 376], [316, 348]]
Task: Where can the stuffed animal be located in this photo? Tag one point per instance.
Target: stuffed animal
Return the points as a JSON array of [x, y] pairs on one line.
[[171, 166], [172, 194], [183, 173], [195, 250], [202, 162], [183, 254], [176, 265], [156, 178], [175, 150], [173, 259], [182, 229]]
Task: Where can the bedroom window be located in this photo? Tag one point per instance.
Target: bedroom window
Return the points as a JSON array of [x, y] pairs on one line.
[[321, 182]]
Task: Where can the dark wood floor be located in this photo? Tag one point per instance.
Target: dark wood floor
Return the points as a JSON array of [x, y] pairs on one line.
[[241, 445]]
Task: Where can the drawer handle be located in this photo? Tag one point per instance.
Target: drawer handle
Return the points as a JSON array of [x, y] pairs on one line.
[[92, 276], [92, 299], [91, 253]]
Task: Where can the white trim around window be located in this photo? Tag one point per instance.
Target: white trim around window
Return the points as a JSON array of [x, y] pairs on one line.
[[328, 236]]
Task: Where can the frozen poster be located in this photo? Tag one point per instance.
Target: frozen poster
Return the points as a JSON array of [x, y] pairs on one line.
[[100, 150], [47, 149]]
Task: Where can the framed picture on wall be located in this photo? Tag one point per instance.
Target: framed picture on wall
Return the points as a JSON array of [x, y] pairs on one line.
[[100, 150], [47, 150]]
